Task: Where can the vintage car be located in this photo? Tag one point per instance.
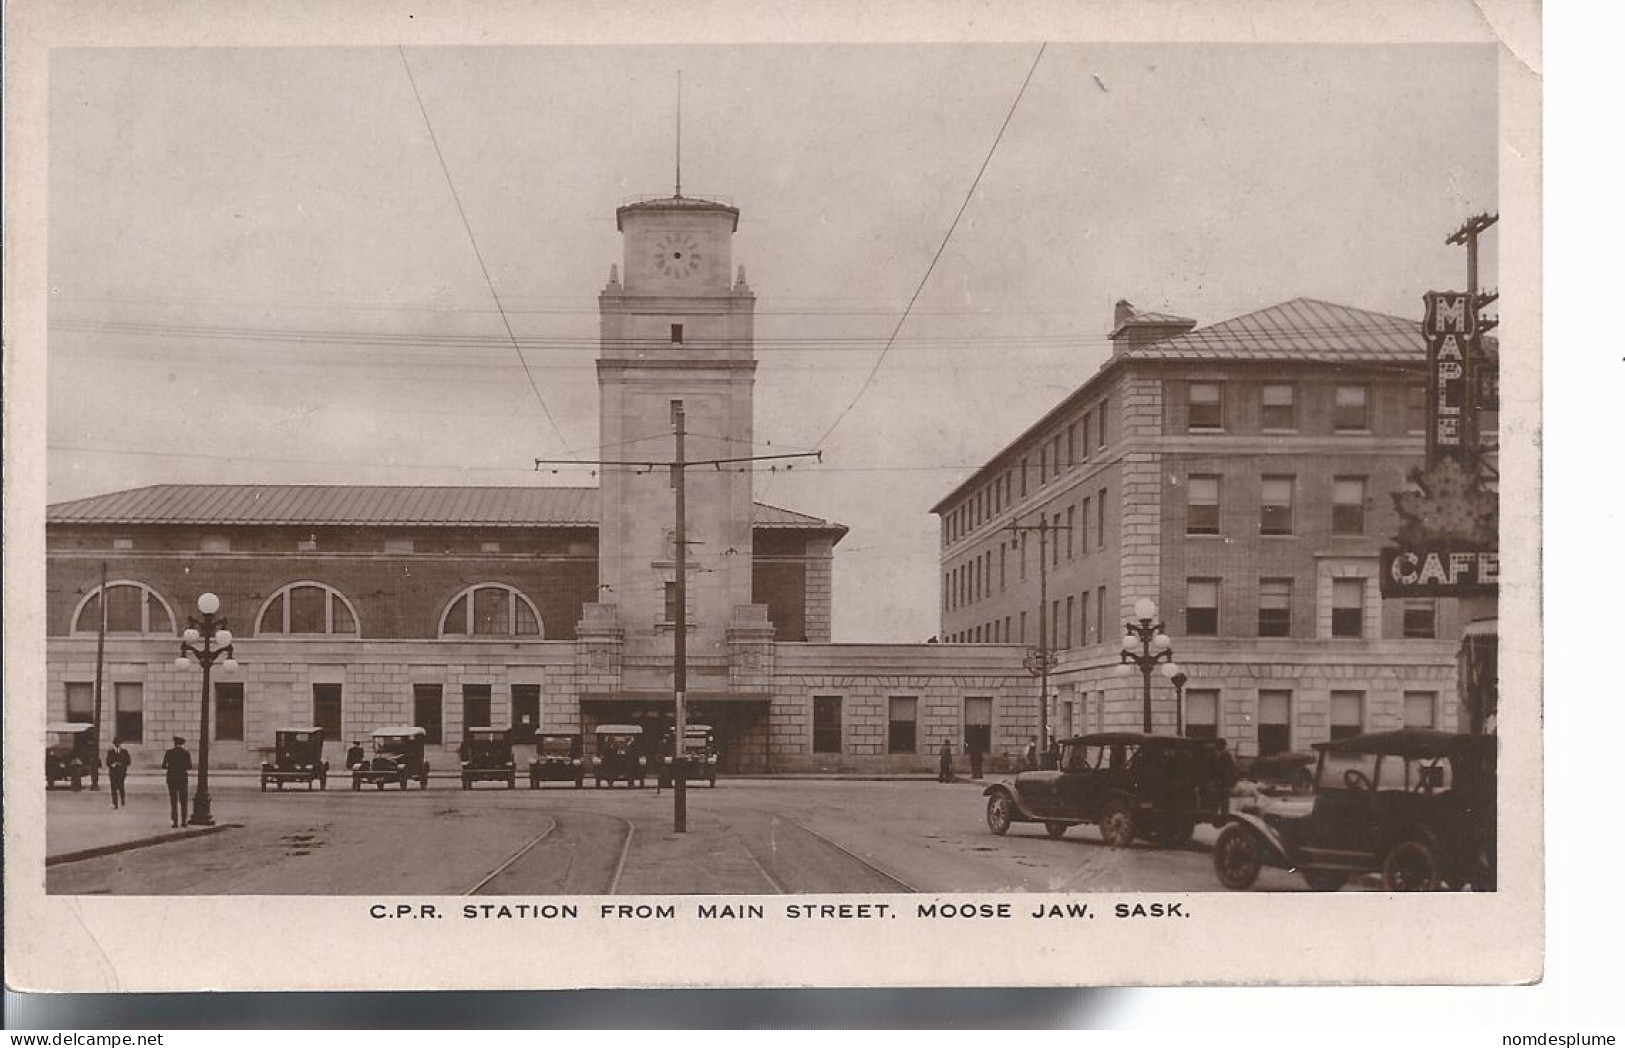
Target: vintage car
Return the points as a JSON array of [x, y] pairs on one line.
[[1155, 787], [298, 758], [397, 756], [1290, 771], [70, 754], [558, 759], [699, 755], [1416, 805], [486, 755], [618, 754]]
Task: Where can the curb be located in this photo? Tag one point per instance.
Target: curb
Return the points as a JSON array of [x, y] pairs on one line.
[[140, 842]]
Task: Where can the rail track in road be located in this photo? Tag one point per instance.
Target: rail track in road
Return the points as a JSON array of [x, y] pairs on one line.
[[572, 856]]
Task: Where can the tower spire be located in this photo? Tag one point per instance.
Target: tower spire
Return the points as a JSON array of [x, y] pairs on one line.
[[679, 191]]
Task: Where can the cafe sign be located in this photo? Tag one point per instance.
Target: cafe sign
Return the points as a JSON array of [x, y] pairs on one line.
[[1439, 570]]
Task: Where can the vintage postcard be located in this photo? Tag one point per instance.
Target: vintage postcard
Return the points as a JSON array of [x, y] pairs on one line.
[[932, 497]]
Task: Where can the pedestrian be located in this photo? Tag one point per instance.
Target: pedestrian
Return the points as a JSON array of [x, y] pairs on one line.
[[1032, 755], [177, 766], [1052, 756], [975, 760], [945, 762], [118, 764], [355, 757]]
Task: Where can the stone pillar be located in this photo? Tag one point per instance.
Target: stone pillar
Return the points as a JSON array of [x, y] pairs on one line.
[[1140, 494], [820, 590], [599, 643], [750, 649]]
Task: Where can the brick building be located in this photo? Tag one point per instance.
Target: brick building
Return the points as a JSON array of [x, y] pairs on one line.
[[1239, 476]]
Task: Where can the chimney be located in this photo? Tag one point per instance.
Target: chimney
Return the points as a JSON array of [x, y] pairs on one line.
[[1123, 314], [1132, 329]]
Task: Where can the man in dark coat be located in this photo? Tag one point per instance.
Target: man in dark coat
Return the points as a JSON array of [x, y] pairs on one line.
[[118, 765], [975, 759], [945, 763], [177, 768], [355, 756]]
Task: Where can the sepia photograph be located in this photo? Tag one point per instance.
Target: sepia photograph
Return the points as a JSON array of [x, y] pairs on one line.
[[629, 481]]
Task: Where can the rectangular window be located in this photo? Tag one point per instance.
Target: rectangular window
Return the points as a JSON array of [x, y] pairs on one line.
[[1274, 722], [1054, 625], [1206, 406], [1348, 714], [327, 708], [1083, 618], [1421, 709], [81, 702], [900, 724], [1024, 556], [677, 334], [1071, 445], [1349, 409], [228, 711], [398, 546], [1023, 478], [979, 724], [1100, 424], [1202, 607], [1348, 607], [1100, 519], [1348, 505], [826, 724], [1004, 572], [1202, 713], [1416, 409], [426, 712], [1100, 614], [1043, 464], [476, 706], [1071, 529], [1066, 630], [216, 544], [1275, 607], [525, 713], [1202, 505], [1083, 529], [1279, 410], [1023, 639], [1088, 424], [123, 609], [128, 707], [671, 602], [1421, 620], [1055, 461], [1275, 506], [491, 612], [1006, 632], [307, 609]]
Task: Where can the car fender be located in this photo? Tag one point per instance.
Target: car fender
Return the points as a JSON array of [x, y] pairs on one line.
[[1275, 846], [1008, 789]]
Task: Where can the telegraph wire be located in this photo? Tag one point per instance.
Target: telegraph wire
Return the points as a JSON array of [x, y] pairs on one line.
[[469, 229], [869, 380]]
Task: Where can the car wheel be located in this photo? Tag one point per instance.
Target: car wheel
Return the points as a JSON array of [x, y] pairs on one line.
[[1000, 814], [1117, 824], [1325, 880], [1410, 867], [1056, 830], [1237, 857]]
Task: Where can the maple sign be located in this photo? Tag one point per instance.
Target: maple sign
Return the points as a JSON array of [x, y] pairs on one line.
[[1449, 325]]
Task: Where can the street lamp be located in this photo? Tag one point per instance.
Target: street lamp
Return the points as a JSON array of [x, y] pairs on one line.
[[1176, 676], [205, 642], [1155, 647]]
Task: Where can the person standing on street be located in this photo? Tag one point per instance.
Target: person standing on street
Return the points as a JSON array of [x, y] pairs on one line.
[[118, 764], [945, 762], [1032, 755], [177, 768], [975, 759]]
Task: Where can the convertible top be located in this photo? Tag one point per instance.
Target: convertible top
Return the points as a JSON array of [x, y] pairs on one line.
[[70, 727], [1410, 742], [293, 729], [618, 729], [397, 733]]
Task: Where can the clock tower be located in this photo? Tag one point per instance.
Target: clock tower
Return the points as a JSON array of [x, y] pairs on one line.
[[678, 329]]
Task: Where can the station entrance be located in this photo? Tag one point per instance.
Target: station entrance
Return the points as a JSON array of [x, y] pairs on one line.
[[740, 724]]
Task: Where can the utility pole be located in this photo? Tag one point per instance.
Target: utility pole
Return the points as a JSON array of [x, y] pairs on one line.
[[1468, 236], [1041, 660], [101, 647], [678, 465]]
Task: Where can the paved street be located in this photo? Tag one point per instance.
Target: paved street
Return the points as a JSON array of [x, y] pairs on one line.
[[746, 837]]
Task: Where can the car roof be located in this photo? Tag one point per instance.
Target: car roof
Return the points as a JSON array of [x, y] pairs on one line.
[[397, 733], [1138, 738], [484, 727], [305, 731], [73, 727], [1409, 742], [693, 729], [618, 729], [558, 735]]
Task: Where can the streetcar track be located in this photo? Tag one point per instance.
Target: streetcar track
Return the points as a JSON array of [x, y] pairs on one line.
[[515, 857], [849, 853], [626, 849]]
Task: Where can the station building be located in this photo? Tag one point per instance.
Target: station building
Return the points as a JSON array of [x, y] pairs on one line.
[[1240, 476], [360, 607]]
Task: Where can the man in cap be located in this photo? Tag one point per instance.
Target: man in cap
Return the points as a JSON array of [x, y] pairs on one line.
[[177, 766]]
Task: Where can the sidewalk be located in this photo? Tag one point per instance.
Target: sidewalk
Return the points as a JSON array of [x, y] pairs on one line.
[[77, 830]]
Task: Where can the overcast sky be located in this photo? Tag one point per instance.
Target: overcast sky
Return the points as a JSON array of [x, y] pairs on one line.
[[259, 273]]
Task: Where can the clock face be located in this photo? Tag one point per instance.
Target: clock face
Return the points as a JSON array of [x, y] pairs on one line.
[[677, 255]]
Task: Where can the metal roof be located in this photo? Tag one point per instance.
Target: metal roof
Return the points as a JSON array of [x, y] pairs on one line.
[[304, 505], [1303, 329]]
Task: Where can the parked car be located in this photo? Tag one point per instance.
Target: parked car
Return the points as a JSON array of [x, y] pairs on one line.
[[298, 758], [487, 756], [1416, 805], [699, 755], [70, 753], [1155, 787], [558, 759], [397, 756], [617, 755], [1291, 770]]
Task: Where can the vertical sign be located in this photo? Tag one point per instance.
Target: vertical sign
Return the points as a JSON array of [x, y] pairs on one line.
[[1449, 325]]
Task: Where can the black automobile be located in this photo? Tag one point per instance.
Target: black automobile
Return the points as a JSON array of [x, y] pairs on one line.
[[298, 758], [487, 756], [1131, 785], [1417, 806], [699, 760], [558, 759], [618, 755], [69, 754], [397, 756]]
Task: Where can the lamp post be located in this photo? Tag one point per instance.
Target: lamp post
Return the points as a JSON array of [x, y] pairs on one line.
[[1155, 647], [205, 641], [1176, 676]]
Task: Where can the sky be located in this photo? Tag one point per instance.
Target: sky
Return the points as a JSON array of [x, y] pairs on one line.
[[259, 273]]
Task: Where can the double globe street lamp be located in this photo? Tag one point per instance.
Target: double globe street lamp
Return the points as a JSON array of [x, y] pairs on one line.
[[1155, 649], [205, 642]]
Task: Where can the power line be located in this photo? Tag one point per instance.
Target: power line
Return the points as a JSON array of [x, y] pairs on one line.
[[869, 380], [469, 229]]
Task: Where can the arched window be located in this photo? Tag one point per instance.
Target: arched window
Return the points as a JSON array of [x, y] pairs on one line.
[[307, 607], [491, 609], [132, 607]]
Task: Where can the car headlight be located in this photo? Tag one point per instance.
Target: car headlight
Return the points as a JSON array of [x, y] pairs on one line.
[[711, 759], [665, 760], [643, 760], [577, 761]]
